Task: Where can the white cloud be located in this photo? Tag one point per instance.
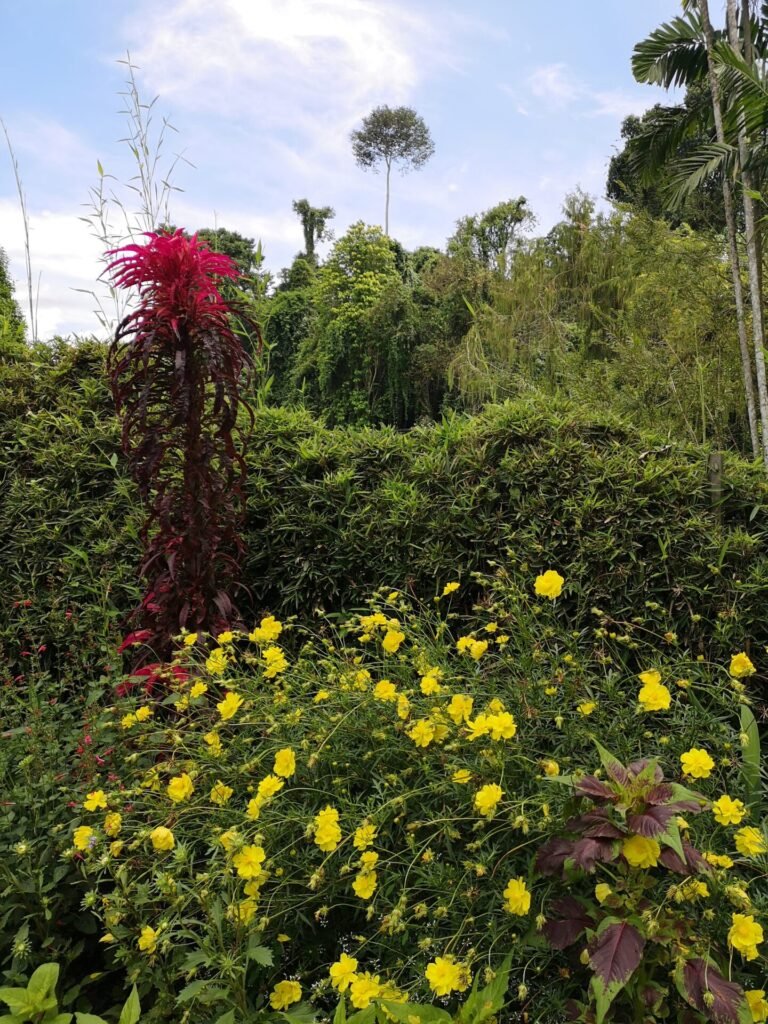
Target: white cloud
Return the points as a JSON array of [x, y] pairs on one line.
[[558, 90]]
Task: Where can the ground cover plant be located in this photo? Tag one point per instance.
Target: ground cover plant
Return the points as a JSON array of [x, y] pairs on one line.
[[381, 809]]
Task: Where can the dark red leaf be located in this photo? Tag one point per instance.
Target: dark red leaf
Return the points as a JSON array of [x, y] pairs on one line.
[[700, 977], [593, 787], [572, 919], [552, 856], [652, 821], [615, 953], [586, 853]]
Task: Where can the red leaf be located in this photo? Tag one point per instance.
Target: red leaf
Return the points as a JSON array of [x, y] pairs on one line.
[[700, 977], [593, 787], [615, 953], [652, 821], [561, 932]]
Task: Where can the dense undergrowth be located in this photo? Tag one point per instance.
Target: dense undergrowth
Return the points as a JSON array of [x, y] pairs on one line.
[[384, 806], [331, 514]]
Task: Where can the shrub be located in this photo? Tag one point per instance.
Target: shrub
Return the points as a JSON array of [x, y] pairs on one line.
[[333, 513], [414, 791]]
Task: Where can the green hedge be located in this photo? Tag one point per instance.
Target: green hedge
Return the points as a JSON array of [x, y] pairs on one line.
[[334, 513]]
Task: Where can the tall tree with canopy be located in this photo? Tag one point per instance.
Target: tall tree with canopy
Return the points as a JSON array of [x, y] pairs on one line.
[[314, 225], [392, 135]]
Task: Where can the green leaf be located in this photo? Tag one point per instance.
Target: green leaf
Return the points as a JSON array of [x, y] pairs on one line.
[[750, 757], [260, 954], [671, 837], [132, 1009], [43, 981], [300, 1014], [366, 1016], [227, 1018], [425, 1013], [480, 1005], [340, 1017], [88, 1018]]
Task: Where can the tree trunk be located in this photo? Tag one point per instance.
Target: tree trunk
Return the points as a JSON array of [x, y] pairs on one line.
[[386, 205], [752, 233], [758, 449]]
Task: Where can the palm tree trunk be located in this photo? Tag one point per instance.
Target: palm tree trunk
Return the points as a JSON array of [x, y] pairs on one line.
[[386, 205], [758, 449], [752, 235]]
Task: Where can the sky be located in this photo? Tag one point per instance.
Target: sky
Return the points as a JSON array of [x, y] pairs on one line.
[[521, 99]]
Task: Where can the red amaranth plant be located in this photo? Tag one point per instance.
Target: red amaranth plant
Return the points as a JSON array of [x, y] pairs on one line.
[[177, 373]]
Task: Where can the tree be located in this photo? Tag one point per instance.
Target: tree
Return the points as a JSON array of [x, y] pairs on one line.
[[684, 51], [12, 327], [490, 237], [392, 135], [314, 220]]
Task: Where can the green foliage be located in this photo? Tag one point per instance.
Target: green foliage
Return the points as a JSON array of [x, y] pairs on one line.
[[421, 790], [12, 327], [314, 221], [392, 135], [37, 1003], [331, 513], [490, 237]]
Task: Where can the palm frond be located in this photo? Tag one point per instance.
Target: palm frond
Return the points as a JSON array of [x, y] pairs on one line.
[[673, 54], [692, 169], [745, 92], [661, 138]]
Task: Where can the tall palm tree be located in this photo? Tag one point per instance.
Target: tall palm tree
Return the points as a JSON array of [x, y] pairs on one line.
[[683, 52]]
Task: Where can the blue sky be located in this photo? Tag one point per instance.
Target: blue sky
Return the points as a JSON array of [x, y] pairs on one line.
[[521, 98]]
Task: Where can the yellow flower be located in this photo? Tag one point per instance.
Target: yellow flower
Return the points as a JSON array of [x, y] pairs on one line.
[[422, 732], [446, 976], [268, 631], [180, 788], [198, 690], [741, 666], [148, 939], [551, 768], [220, 793], [143, 713], [429, 685], [750, 842], [368, 860], [501, 726], [719, 860], [403, 707], [650, 678], [450, 588], [162, 838], [228, 838], [727, 811], [549, 584], [285, 994], [654, 696], [84, 838], [342, 973], [364, 837], [697, 763], [285, 763], [487, 797], [321, 695], [116, 848], [113, 822], [602, 892], [477, 649], [247, 861], [392, 640], [364, 884], [363, 989], [640, 852], [269, 786], [758, 1006], [385, 690], [462, 776], [275, 661], [254, 808], [95, 800], [128, 721], [214, 742], [230, 705], [460, 708], [518, 897], [586, 708], [216, 662], [745, 935], [190, 639], [327, 831]]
